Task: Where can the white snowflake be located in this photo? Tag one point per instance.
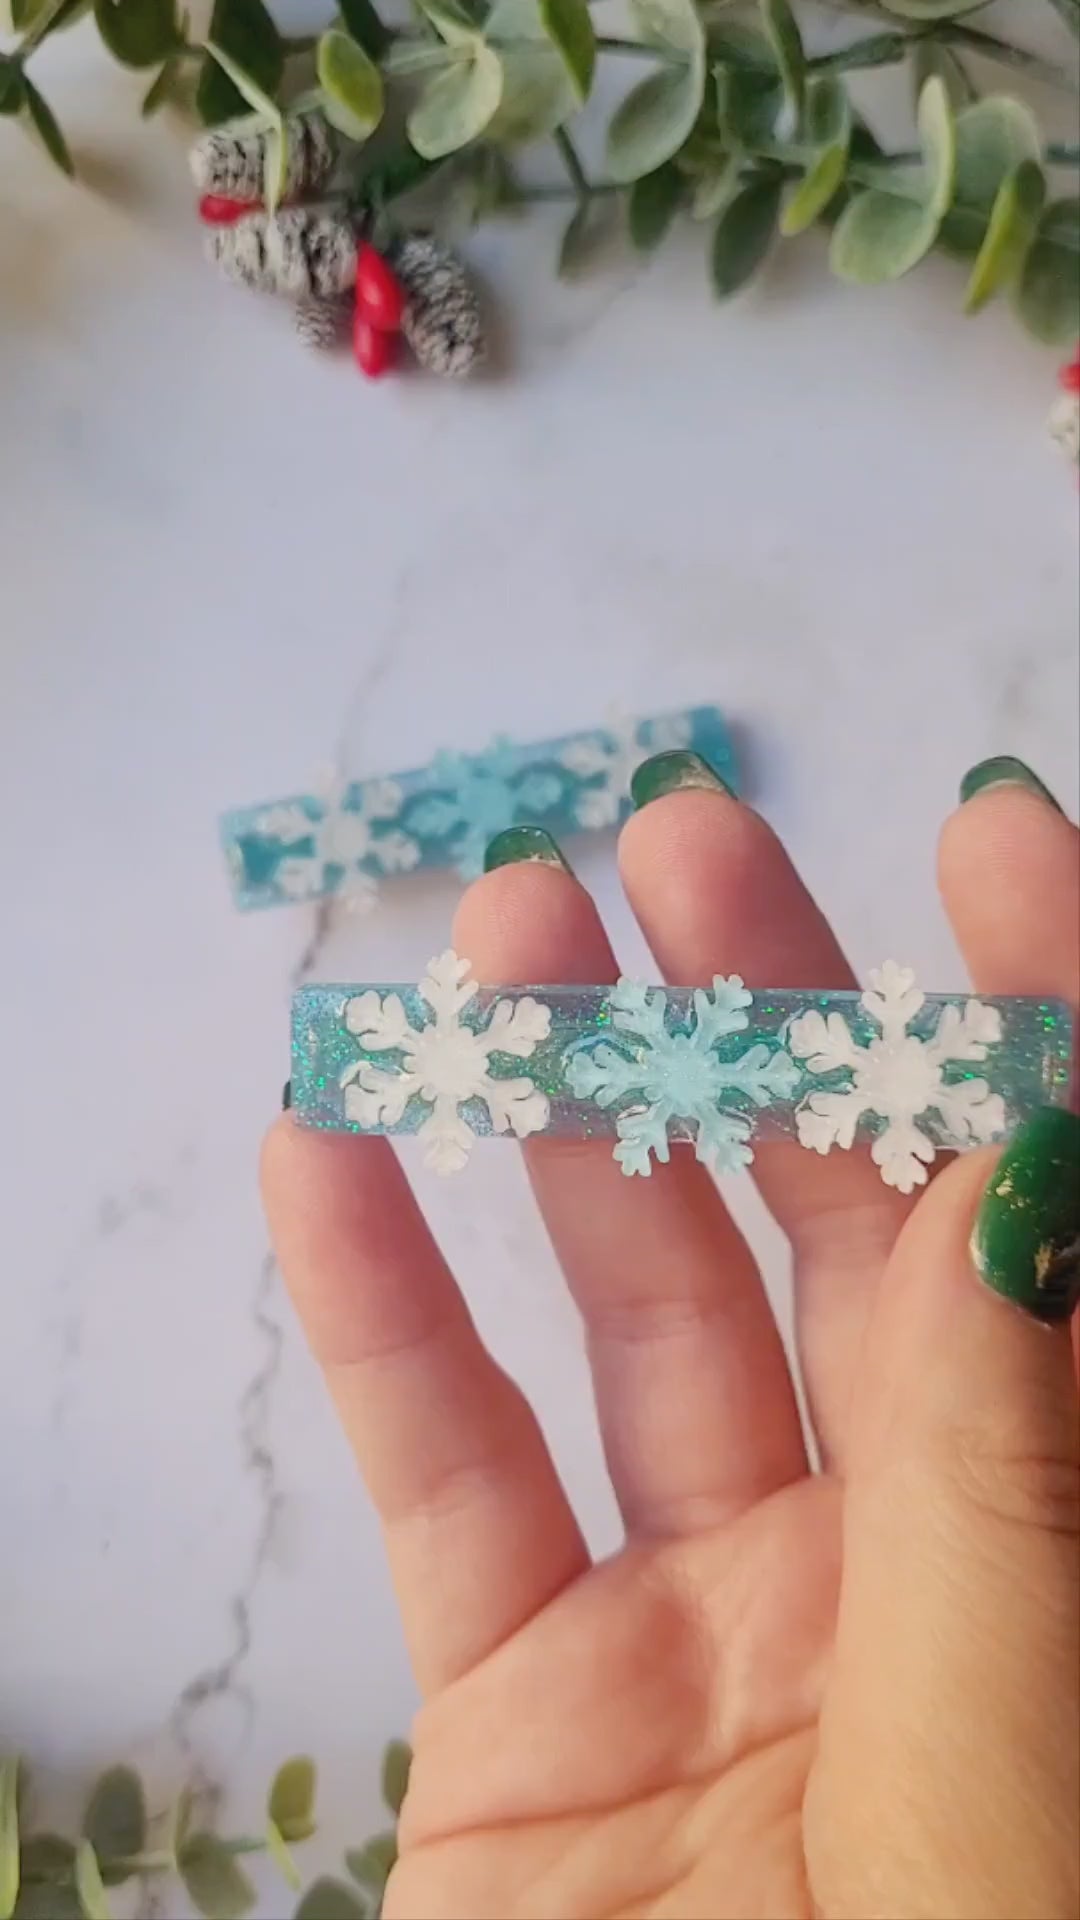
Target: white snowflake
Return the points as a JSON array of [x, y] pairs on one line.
[[478, 795], [445, 1063], [898, 1077], [616, 754], [340, 838], [666, 1072]]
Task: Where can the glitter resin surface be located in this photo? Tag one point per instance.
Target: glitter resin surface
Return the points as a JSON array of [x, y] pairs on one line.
[[349, 838], [719, 1067]]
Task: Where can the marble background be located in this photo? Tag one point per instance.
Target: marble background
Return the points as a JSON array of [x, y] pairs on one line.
[[221, 563]]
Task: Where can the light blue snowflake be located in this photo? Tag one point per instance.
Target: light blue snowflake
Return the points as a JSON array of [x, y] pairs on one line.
[[657, 1071], [484, 793]]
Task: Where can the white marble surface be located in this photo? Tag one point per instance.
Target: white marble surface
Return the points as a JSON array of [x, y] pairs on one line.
[[835, 514]]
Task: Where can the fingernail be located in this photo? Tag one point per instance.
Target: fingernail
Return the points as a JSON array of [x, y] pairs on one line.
[[1004, 770], [1026, 1238], [524, 843], [672, 773], [286, 1096]]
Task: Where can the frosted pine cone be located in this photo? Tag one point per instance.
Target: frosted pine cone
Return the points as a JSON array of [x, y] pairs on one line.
[[231, 161], [323, 324], [442, 321], [297, 251]]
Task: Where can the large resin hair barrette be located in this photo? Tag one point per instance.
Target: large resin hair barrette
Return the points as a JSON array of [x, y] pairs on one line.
[[718, 1067], [345, 840]]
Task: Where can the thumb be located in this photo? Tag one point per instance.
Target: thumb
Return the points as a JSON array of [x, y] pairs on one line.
[[947, 1778]]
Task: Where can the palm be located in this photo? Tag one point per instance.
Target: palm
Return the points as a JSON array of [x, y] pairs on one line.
[[642, 1745]]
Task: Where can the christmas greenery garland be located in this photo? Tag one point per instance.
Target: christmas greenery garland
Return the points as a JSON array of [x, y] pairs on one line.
[[733, 122]]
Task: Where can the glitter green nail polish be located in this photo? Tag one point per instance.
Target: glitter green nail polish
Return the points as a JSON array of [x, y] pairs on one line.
[[1004, 770], [672, 773], [286, 1096], [524, 843], [1026, 1238]]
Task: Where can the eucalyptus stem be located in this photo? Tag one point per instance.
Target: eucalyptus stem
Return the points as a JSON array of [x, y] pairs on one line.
[[572, 163]]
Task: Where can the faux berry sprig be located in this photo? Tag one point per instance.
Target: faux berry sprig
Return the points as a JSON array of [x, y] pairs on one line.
[[313, 249]]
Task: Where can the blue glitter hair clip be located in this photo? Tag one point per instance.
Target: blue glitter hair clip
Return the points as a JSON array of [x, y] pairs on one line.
[[347, 839], [717, 1067]]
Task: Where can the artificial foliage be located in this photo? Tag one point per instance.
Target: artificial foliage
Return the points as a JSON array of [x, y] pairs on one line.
[[732, 122], [53, 1876]]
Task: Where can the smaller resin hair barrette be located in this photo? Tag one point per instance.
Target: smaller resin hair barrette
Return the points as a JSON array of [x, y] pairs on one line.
[[345, 840], [718, 1067]]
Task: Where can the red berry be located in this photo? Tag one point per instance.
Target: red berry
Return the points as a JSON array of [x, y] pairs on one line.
[[219, 211], [375, 349], [379, 293], [1070, 376]]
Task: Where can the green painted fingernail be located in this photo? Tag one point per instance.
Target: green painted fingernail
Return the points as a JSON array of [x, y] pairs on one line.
[[1004, 770], [286, 1096], [673, 773], [1026, 1238], [524, 843]]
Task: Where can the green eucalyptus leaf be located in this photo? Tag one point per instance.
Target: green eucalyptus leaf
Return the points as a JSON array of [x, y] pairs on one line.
[[47, 128], [275, 152], [786, 42], [245, 32], [1013, 221], [879, 237], [291, 1804], [138, 33], [735, 43], [1047, 295], [371, 1865], [744, 234], [712, 190], [159, 92], [827, 127], [585, 234], [569, 27], [935, 57], [47, 1857], [216, 1883], [9, 1836], [653, 121], [281, 1857], [351, 83], [12, 92], [652, 204], [183, 1814], [538, 89], [396, 1767], [457, 104], [748, 103], [992, 138], [450, 23], [39, 1901], [673, 25], [115, 1819], [331, 1899], [89, 1884], [937, 133], [363, 22]]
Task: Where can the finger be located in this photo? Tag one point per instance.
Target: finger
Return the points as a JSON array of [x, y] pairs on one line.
[[715, 892], [961, 1581], [478, 1530], [1010, 879], [693, 1392]]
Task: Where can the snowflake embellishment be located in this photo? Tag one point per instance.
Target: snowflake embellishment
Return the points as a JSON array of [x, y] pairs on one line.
[[338, 841], [615, 756], [445, 1063], [483, 794], [898, 1078], [657, 1072]]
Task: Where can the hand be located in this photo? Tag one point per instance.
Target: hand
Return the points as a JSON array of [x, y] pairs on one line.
[[850, 1692]]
